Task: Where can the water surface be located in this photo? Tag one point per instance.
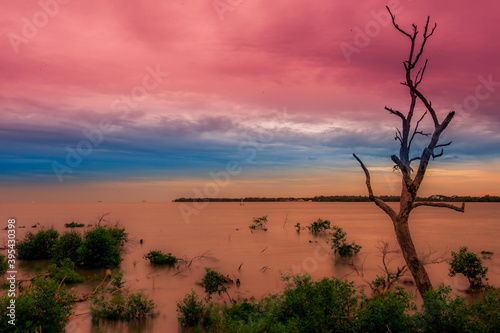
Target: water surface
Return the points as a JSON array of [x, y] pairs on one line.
[[221, 234]]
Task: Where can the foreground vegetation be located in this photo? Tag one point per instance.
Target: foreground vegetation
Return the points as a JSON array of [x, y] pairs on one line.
[[334, 305], [44, 303]]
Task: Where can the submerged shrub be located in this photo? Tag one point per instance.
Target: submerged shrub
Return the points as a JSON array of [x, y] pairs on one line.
[[74, 225], [66, 247], [214, 282], [470, 265], [259, 222], [37, 246], [101, 247], [133, 306], [157, 257], [319, 226], [339, 243], [118, 233], [192, 311]]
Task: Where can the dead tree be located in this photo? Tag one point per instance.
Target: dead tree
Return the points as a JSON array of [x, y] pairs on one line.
[[412, 180]]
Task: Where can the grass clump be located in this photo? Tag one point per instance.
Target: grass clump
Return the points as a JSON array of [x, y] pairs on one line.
[[157, 257], [38, 245]]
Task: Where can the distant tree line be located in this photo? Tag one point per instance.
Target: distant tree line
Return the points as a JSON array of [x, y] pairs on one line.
[[344, 198]]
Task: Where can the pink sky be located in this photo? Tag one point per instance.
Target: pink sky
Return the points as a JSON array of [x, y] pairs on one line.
[[227, 72]]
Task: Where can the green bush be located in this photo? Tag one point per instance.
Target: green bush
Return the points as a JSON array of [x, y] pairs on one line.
[[101, 247], [64, 271], [157, 257], [486, 311], [441, 313], [388, 313], [45, 306], [133, 306], [319, 226], [470, 265], [118, 233], [339, 243], [4, 265], [192, 311], [37, 246], [67, 247], [214, 282], [117, 282], [333, 305]]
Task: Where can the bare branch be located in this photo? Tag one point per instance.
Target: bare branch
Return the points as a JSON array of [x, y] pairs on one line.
[[426, 36], [399, 136], [421, 73], [415, 131], [441, 205], [379, 202], [396, 112], [395, 24], [434, 156], [444, 144], [431, 257], [415, 159]]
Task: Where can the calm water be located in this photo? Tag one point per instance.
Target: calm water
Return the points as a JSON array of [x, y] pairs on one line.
[[220, 232]]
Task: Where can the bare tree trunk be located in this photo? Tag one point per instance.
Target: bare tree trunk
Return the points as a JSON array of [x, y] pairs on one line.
[[413, 262]]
